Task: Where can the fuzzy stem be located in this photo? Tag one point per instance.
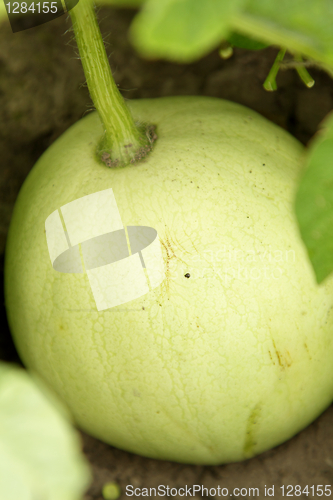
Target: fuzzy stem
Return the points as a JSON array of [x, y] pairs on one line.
[[122, 139]]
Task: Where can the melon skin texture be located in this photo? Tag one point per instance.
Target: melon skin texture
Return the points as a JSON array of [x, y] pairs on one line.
[[209, 369]]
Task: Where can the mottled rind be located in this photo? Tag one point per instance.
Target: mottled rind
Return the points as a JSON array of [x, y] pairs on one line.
[[176, 373]]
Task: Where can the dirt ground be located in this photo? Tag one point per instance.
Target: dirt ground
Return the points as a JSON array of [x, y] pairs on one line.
[[42, 94]]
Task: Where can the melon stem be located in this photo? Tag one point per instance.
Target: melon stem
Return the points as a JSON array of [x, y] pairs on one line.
[[123, 142]]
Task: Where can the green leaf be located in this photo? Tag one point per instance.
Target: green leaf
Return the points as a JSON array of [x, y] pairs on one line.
[[244, 42], [182, 30], [303, 26], [40, 455], [314, 202], [185, 30]]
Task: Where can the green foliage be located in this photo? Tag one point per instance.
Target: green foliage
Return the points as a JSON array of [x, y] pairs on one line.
[[182, 30], [314, 202], [245, 42], [299, 25], [185, 30], [40, 454]]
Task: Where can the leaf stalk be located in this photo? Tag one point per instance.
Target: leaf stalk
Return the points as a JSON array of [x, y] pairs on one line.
[[270, 82]]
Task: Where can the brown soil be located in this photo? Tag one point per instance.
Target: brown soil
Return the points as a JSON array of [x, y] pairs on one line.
[[42, 94]]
